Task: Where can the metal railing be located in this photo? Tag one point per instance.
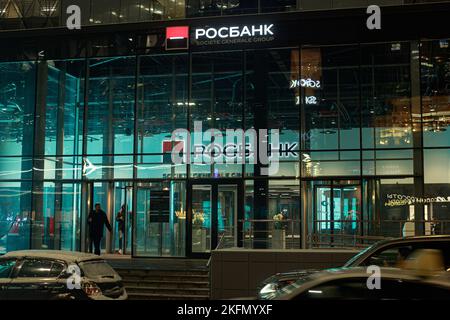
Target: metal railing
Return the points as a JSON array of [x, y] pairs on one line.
[[270, 234]]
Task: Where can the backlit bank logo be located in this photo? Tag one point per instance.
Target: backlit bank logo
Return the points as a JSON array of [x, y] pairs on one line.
[[234, 34], [177, 38]]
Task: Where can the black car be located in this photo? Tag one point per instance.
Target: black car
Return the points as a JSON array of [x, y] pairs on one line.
[[58, 275], [386, 253], [351, 284]]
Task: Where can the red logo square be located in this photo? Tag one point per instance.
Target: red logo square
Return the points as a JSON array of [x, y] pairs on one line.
[[177, 32]]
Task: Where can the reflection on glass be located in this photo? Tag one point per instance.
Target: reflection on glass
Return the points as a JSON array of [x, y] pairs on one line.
[[160, 220], [386, 96], [338, 214], [17, 100], [435, 84], [197, 8], [201, 218], [56, 223], [110, 125], [329, 98], [123, 217], [384, 217], [284, 199], [162, 101], [64, 107], [15, 208], [227, 216]]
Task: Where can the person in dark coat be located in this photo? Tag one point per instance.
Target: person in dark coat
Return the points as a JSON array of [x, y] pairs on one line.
[[120, 218], [97, 220]]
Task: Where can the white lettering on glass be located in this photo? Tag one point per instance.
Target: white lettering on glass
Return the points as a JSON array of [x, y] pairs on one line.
[[235, 31]]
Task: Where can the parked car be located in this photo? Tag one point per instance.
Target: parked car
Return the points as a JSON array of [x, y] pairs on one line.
[[351, 284], [49, 275], [385, 253]]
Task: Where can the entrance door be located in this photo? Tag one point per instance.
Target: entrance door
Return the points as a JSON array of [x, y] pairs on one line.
[[123, 201], [338, 213], [160, 219], [213, 216], [111, 196], [153, 222]]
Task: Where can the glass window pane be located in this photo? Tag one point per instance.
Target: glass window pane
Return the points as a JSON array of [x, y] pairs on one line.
[[160, 222], [329, 98], [56, 222], [110, 126], [33, 268], [330, 163], [162, 100], [64, 107], [435, 93], [15, 168], [6, 266], [386, 96], [385, 216], [107, 167], [59, 168], [17, 99], [278, 5], [15, 208]]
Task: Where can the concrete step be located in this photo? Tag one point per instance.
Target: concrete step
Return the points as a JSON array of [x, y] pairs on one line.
[[169, 273], [165, 278], [168, 291], [149, 296], [165, 283]]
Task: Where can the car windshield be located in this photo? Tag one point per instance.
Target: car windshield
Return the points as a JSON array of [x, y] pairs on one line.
[[98, 269], [351, 262]]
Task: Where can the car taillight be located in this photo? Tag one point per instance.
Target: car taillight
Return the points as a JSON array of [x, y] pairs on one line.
[[91, 289]]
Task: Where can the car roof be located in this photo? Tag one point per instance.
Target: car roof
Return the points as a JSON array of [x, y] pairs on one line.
[[413, 238], [67, 256]]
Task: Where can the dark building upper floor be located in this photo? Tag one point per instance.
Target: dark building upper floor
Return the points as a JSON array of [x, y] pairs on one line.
[[26, 14]]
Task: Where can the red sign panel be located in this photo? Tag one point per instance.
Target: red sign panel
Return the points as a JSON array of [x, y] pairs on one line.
[[177, 32]]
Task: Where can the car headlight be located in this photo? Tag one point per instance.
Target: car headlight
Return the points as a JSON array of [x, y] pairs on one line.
[[268, 289]]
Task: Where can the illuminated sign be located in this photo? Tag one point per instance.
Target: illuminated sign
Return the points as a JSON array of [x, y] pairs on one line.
[[177, 38], [394, 200], [308, 100], [233, 34], [305, 83], [230, 150]]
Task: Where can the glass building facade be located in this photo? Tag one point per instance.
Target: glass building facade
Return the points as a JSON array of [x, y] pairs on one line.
[[364, 144], [25, 14]]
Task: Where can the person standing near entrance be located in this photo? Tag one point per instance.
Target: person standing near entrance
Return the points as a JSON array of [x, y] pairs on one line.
[[120, 218], [97, 220]]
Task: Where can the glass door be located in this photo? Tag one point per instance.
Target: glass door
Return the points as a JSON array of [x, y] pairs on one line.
[[227, 215], [324, 215], [153, 221], [338, 213], [347, 212], [160, 219], [122, 219], [214, 216], [201, 218]]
